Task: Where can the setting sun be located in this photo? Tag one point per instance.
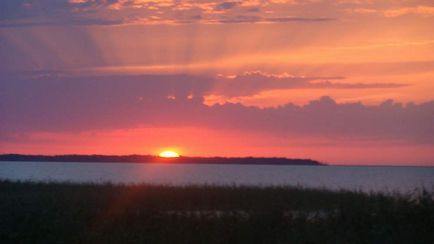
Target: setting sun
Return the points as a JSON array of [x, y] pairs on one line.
[[169, 154]]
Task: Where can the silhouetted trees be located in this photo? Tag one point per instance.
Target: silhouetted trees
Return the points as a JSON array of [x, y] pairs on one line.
[[157, 159]]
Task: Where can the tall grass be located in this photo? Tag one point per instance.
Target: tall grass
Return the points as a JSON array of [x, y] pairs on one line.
[[108, 213]]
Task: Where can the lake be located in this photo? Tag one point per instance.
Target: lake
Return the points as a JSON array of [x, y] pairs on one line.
[[365, 178]]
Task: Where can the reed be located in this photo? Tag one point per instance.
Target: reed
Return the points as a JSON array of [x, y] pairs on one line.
[[108, 213]]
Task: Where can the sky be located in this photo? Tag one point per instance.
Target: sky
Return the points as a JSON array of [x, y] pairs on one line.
[[343, 82]]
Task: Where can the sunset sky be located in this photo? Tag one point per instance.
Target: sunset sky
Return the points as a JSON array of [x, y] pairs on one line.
[[343, 81]]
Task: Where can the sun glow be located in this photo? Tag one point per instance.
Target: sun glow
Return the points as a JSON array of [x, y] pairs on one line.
[[169, 154]]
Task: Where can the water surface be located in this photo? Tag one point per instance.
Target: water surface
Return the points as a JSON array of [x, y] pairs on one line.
[[366, 178]]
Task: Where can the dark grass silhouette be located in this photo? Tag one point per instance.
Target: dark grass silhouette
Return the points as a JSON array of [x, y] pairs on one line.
[[92, 213]]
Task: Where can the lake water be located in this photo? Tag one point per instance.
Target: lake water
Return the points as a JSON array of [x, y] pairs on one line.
[[366, 178]]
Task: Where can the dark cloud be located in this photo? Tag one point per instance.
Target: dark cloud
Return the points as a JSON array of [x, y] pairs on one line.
[[13, 9], [25, 9], [251, 83], [226, 5], [63, 22], [56, 103], [26, 13], [256, 19], [254, 9], [297, 19], [246, 84], [238, 19]]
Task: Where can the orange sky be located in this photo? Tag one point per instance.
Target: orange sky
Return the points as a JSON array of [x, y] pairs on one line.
[[259, 54]]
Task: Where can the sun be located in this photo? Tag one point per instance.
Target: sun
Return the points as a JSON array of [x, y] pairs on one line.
[[169, 154]]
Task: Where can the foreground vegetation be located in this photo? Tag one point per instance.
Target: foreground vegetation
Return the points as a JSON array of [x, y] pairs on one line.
[[91, 213]]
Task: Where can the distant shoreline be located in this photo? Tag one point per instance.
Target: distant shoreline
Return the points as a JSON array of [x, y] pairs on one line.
[[156, 159]]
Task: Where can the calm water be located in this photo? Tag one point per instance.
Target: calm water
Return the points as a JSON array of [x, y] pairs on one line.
[[333, 177]]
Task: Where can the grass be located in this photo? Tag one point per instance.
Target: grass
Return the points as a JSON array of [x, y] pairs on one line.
[[107, 213]]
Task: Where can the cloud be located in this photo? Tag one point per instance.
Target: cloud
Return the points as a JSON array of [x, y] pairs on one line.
[[418, 10], [25, 13], [259, 19], [226, 5], [245, 84], [254, 82], [297, 19], [71, 104], [64, 22]]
